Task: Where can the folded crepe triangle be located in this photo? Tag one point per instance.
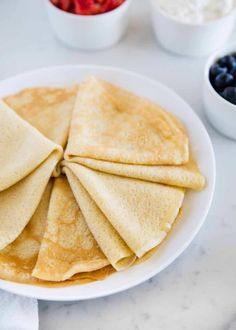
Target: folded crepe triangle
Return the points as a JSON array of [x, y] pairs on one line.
[[112, 245], [67, 247], [18, 259], [47, 109], [132, 130], [186, 175], [27, 160], [141, 212], [115, 131]]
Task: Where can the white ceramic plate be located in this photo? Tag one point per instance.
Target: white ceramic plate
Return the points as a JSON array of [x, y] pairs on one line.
[[196, 205]]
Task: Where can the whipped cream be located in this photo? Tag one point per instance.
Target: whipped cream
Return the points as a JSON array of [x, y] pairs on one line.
[[196, 11]]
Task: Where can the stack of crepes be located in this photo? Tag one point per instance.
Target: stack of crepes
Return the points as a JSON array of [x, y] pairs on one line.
[[92, 178]]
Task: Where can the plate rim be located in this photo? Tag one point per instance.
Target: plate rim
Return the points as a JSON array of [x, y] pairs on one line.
[[13, 287]]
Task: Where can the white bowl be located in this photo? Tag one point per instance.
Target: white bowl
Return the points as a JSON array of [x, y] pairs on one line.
[[220, 112], [190, 39], [196, 204], [90, 32]]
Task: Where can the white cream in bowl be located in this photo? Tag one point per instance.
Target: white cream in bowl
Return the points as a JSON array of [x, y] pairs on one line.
[[193, 27], [196, 11]]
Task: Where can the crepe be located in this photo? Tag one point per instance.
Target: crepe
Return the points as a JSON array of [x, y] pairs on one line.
[[130, 130], [125, 167], [18, 259], [27, 160], [79, 278], [186, 176], [110, 242], [67, 247], [100, 123], [22, 147], [47, 109], [141, 212]]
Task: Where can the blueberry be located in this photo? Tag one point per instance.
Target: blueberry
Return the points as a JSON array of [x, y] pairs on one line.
[[215, 70], [229, 94], [233, 72], [229, 61], [223, 80]]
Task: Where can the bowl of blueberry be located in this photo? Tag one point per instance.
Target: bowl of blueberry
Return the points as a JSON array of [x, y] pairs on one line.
[[220, 90]]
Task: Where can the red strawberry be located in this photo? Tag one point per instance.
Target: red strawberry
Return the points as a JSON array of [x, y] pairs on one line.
[[87, 7], [55, 2], [62, 4], [65, 4]]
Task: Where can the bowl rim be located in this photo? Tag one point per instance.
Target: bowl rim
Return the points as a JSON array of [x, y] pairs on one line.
[[117, 10], [155, 5], [225, 50]]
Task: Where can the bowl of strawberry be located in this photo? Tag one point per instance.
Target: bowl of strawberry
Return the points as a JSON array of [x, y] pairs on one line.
[[89, 24], [220, 90]]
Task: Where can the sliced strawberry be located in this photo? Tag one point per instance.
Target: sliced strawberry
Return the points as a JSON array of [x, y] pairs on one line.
[[65, 4], [55, 2], [105, 6], [62, 4], [87, 7]]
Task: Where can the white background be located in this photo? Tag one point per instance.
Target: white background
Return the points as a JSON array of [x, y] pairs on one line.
[[198, 291]]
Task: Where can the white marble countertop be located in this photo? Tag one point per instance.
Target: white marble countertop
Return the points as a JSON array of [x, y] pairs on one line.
[[198, 291]]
